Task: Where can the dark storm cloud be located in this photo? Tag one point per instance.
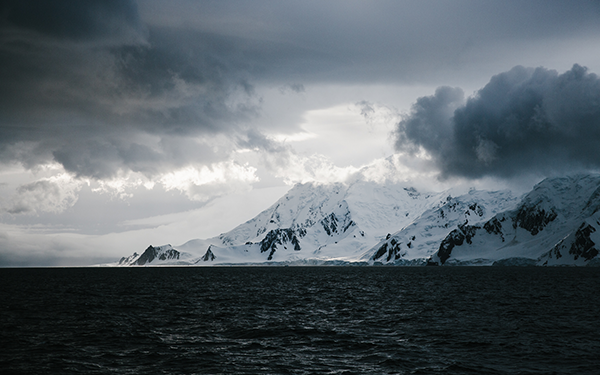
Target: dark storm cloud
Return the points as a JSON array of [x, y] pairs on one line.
[[84, 81], [76, 19], [383, 41], [524, 120]]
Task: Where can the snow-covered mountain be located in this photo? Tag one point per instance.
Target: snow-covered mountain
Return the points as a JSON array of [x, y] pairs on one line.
[[555, 224], [415, 243], [319, 223], [365, 222], [165, 254]]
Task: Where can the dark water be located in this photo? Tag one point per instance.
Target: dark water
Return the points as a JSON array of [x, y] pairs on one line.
[[305, 320]]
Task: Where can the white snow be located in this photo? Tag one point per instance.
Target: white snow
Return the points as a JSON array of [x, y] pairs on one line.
[[388, 222]]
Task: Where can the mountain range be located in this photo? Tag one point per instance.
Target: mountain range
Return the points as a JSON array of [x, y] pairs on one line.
[[365, 222]]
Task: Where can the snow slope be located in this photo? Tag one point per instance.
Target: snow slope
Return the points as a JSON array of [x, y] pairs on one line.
[[418, 241], [365, 222], [555, 224], [341, 223], [319, 222]]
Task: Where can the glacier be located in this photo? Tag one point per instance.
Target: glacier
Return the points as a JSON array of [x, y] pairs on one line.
[[364, 222]]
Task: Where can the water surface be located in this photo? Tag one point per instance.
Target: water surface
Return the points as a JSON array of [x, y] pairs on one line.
[[300, 320]]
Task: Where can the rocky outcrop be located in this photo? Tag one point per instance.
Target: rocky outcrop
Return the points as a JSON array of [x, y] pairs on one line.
[[389, 251], [583, 246], [151, 254], [208, 256], [332, 224], [533, 219], [464, 233], [281, 237], [575, 247]]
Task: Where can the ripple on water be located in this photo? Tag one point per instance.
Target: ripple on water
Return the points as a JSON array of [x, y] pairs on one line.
[[329, 320]]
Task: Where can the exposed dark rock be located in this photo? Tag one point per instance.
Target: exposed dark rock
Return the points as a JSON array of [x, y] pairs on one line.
[[152, 253], [350, 224], [391, 248], [456, 238], [583, 246], [533, 219], [381, 251], [469, 231], [332, 223], [125, 259], [278, 237], [209, 255], [555, 251], [477, 209], [493, 226]]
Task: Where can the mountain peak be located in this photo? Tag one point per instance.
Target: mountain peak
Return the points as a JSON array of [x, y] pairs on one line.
[[558, 222], [151, 254]]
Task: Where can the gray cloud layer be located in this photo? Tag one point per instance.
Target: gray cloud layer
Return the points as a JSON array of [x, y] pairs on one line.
[[524, 120], [74, 19], [357, 41], [85, 84], [109, 86]]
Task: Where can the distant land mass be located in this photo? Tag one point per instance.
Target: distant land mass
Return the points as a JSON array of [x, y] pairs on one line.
[[364, 222]]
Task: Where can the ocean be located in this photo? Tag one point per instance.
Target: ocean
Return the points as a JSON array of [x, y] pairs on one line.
[[300, 320]]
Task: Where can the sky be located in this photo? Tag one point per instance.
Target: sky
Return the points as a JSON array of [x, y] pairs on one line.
[[125, 124]]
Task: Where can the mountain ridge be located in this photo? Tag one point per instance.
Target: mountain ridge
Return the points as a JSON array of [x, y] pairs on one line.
[[369, 223], [551, 217]]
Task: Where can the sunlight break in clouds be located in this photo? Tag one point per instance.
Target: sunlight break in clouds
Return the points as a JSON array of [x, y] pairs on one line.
[[314, 168], [208, 182]]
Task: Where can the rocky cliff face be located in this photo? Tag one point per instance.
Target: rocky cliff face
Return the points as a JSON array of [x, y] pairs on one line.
[[282, 237], [151, 255]]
